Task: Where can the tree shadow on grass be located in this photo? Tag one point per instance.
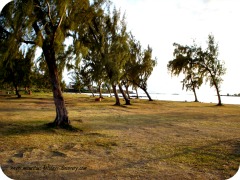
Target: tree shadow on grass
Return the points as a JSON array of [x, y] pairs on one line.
[[30, 127], [14, 97], [67, 127]]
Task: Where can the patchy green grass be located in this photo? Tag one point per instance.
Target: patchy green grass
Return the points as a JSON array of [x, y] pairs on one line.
[[147, 140]]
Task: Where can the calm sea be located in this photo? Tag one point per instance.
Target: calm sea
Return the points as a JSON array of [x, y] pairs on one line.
[[185, 97], [190, 97]]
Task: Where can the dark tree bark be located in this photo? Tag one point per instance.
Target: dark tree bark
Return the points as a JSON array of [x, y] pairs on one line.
[[116, 95], [149, 97], [127, 86], [61, 119], [61, 111], [100, 91], [127, 101], [90, 88], [137, 93], [218, 94], [217, 88], [195, 94], [17, 91], [144, 88], [194, 90]]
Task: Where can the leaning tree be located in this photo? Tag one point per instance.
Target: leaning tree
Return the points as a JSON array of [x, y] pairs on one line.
[[48, 24], [186, 61], [211, 67], [198, 64], [140, 65]]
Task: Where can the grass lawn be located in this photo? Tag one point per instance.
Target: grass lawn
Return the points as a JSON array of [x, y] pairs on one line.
[[147, 140]]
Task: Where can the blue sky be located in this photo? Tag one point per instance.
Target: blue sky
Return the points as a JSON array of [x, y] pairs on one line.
[[160, 23]]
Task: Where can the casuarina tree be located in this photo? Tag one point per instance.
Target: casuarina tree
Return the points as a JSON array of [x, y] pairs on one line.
[[211, 67], [140, 65], [198, 64], [186, 61], [48, 24]]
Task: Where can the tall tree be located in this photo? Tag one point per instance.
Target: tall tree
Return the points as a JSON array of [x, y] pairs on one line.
[[145, 70], [186, 61], [197, 64], [211, 67], [47, 24], [108, 30], [140, 65]]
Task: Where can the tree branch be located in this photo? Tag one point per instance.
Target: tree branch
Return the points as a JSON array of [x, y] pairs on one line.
[[60, 21], [37, 30], [49, 14]]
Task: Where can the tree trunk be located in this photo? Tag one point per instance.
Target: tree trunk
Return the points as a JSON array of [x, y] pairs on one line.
[[194, 89], [90, 88], [127, 86], [124, 95], [100, 91], [61, 111], [149, 97], [116, 95], [136, 93], [195, 94], [17, 91], [217, 89], [218, 94]]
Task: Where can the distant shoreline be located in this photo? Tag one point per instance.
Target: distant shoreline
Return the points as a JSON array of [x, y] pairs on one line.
[[180, 97]]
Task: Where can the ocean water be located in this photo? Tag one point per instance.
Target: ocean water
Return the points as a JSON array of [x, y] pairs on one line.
[[206, 98], [190, 97]]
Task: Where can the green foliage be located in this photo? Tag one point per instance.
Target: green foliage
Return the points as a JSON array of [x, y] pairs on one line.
[[140, 65], [47, 23], [210, 66], [197, 64], [77, 79], [186, 61], [16, 70], [72, 31]]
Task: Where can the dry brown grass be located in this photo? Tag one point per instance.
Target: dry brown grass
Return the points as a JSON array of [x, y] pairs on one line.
[[148, 140]]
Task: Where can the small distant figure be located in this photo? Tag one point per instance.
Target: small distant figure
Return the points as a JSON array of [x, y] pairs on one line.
[[98, 99]]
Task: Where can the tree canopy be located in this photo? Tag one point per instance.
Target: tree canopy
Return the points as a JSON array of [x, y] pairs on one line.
[[186, 61], [140, 65], [197, 64], [211, 67], [68, 32], [48, 24]]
